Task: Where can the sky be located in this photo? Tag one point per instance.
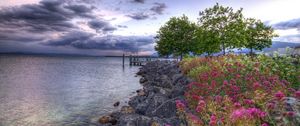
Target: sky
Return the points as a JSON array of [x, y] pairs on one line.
[[114, 27]]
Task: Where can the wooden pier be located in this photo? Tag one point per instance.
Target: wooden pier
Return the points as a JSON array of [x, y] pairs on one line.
[[140, 60]]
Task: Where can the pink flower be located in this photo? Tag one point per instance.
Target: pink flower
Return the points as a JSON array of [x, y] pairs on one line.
[[237, 105], [194, 119], [297, 94], [248, 102], [200, 106], [213, 84], [279, 95], [196, 97], [256, 85], [179, 105], [236, 114], [201, 103], [225, 82], [264, 124], [290, 114], [250, 113], [213, 120], [218, 98], [190, 85], [270, 106], [238, 76], [199, 109], [262, 114]]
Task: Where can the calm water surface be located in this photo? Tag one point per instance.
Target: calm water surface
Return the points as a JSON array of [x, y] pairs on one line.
[[57, 90]]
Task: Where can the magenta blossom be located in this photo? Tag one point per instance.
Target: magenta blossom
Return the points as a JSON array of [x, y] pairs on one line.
[[213, 120], [180, 105], [270, 106], [250, 113], [279, 95], [237, 105], [297, 94]]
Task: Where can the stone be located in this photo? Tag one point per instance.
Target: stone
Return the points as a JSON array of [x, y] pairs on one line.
[[134, 120], [116, 104], [141, 92], [163, 81], [108, 120], [155, 101], [165, 110], [176, 77], [127, 110], [143, 80], [104, 119]]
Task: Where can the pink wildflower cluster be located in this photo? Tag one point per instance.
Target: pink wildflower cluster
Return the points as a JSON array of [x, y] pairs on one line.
[[235, 88], [246, 114]]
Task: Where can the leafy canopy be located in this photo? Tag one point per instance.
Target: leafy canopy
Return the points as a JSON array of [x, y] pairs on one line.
[[175, 37], [226, 25], [219, 28]]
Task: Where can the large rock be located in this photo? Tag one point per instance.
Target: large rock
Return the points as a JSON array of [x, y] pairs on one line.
[[140, 104], [164, 110], [177, 91], [155, 101], [163, 81], [134, 120]]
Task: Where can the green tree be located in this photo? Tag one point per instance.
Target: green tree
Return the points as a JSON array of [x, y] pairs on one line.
[[258, 35], [203, 42], [176, 37], [226, 24]]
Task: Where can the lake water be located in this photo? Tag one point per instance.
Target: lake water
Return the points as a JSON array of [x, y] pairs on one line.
[[62, 90]]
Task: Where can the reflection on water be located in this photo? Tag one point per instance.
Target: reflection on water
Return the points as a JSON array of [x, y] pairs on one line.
[[38, 90]]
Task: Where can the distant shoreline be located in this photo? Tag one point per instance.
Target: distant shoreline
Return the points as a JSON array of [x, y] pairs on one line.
[[58, 54]]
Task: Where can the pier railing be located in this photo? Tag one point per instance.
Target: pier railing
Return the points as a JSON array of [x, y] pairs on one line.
[[140, 60]]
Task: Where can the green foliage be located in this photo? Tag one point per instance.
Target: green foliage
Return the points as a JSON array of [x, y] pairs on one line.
[[258, 35], [197, 70], [225, 25], [218, 28], [205, 42], [175, 37]]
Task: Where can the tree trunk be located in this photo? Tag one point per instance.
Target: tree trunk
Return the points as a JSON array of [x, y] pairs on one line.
[[181, 56], [223, 48]]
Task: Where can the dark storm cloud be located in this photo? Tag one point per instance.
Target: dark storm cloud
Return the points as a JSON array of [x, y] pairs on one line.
[[109, 42], [295, 23], [81, 10], [59, 23], [6, 36], [139, 1], [139, 16], [43, 17], [70, 38], [112, 42], [101, 26], [159, 8]]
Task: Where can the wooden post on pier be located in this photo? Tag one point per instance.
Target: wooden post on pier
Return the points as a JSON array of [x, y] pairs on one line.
[[123, 59], [130, 60]]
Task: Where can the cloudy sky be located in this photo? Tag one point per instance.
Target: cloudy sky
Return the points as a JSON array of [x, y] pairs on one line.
[[111, 27]]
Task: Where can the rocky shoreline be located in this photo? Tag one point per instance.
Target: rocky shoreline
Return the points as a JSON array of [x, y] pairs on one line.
[[154, 105]]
